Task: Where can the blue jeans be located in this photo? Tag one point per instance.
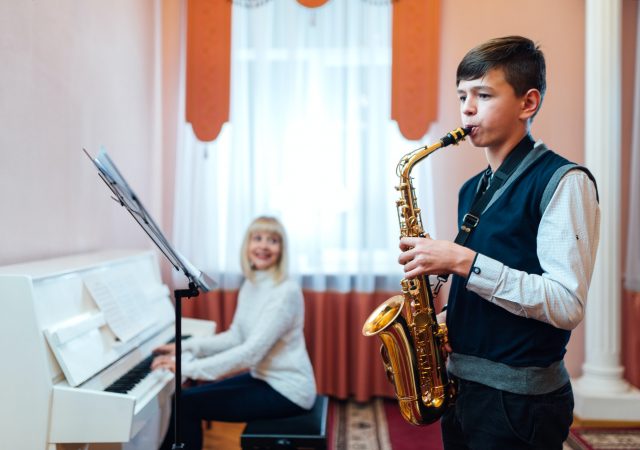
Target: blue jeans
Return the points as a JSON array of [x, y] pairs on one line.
[[238, 399], [484, 418]]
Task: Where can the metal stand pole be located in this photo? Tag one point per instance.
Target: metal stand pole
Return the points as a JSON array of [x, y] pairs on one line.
[[179, 294]]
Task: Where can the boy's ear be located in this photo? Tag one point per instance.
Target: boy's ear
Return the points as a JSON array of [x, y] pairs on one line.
[[530, 103]]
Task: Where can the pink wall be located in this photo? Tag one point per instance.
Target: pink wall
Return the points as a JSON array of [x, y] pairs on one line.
[[173, 23], [74, 74]]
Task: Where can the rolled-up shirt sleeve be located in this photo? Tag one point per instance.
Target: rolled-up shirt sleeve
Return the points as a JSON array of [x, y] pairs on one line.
[[567, 242]]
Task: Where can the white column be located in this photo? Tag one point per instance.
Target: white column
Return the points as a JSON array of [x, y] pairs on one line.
[[602, 393]]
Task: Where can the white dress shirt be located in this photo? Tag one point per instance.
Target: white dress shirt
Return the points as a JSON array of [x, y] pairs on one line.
[[567, 243]]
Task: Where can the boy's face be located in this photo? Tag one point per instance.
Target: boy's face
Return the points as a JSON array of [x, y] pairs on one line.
[[490, 106]]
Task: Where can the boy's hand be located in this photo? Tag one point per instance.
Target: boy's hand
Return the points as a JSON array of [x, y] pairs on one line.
[[421, 256]]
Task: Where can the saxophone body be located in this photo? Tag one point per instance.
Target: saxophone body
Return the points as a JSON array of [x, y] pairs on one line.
[[412, 341]]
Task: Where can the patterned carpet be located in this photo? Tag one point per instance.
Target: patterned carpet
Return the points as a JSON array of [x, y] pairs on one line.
[[378, 426], [604, 439], [359, 426]]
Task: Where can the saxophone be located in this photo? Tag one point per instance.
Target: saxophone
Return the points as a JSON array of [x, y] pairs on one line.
[[412, 342]]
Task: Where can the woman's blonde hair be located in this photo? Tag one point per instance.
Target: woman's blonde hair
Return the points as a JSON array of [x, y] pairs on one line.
[[269, 225]]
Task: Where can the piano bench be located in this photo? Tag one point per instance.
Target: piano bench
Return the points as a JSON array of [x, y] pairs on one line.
[[303, 432]]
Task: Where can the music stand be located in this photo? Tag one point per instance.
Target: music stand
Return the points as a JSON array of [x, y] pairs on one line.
[[198, 281]]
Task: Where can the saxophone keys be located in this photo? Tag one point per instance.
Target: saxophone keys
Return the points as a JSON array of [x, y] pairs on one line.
[[421, 319]]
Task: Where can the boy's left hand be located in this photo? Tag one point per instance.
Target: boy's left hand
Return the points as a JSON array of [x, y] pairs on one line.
[[423, 255]]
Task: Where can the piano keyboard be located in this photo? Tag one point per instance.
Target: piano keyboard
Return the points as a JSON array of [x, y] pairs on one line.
[[127, 382]]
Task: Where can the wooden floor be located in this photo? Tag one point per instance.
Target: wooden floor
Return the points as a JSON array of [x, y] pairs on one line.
[[223, 436]]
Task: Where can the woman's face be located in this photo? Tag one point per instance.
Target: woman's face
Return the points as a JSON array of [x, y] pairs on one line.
[[264, 250]]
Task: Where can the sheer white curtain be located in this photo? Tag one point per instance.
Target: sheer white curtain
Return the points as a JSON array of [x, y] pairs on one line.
[[632, 277], [309, 141]]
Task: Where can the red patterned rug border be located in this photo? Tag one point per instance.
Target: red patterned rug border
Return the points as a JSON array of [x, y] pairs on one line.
[[590, 438]]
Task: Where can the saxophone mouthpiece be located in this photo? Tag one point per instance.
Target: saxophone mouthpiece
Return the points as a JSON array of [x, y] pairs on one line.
[[455, 136]]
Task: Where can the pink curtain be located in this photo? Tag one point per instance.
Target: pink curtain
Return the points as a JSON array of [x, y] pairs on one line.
[[346, 364], [218, 306], [631, 337], [631, 291]]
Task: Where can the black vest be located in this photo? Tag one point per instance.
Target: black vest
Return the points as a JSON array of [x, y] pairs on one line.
[[507, 232]]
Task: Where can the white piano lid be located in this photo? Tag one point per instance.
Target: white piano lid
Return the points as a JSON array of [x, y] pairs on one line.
[[67, 264]]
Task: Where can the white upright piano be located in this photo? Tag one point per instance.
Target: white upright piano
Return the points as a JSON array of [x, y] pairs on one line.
[[77, 336]]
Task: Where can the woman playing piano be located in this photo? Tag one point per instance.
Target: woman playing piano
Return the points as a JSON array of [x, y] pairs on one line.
[[265, 337]]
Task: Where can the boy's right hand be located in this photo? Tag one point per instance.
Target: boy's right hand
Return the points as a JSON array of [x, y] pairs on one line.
[[166, 349]]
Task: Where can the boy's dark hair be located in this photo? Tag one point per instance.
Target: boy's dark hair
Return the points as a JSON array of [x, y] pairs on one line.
[[519, 58]]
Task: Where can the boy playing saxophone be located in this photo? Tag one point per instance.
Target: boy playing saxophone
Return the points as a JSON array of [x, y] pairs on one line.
[[521, 278]]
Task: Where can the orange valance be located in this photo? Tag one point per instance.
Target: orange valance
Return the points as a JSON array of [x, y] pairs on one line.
[[415, 49], [415, 65], [312, 3], [208, 66]]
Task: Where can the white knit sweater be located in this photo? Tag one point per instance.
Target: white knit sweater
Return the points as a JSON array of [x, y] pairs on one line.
[[266, 336]]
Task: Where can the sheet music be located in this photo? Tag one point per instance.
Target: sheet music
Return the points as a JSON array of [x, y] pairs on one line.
[[119, 298]]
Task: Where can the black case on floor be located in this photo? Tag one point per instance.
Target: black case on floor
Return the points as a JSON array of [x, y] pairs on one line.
[[304, 432]]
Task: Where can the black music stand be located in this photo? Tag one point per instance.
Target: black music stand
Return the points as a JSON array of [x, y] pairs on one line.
[[198, 281]]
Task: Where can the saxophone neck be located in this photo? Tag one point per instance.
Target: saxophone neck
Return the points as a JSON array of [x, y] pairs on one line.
[[405, 166], [411, 159]]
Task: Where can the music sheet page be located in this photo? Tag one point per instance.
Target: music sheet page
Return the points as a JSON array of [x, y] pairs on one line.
[[121, 301]]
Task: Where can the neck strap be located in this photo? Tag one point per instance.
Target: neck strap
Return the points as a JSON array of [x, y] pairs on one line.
[[483, 197]]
